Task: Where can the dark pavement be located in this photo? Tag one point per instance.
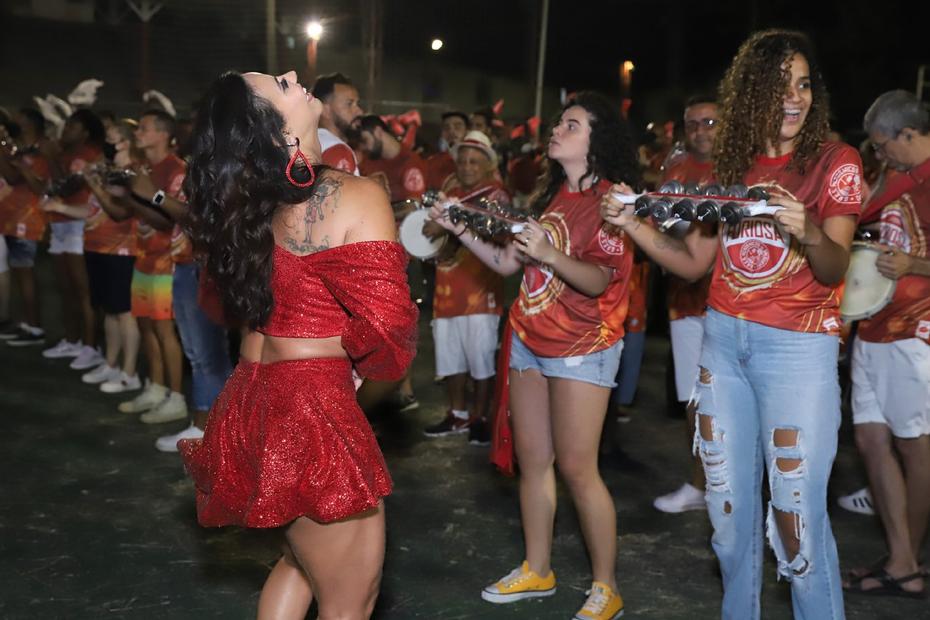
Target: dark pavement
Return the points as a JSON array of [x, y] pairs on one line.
[[95, 523]]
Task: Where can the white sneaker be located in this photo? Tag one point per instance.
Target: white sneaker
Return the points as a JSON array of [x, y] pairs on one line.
[[100, 374], [89, 357], [121, 383], [169, 443], [859, 502], [171, 409], [63, 349], [687, 497], [150, 397]]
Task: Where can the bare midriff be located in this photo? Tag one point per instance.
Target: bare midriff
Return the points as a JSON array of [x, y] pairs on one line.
[[257, 347]]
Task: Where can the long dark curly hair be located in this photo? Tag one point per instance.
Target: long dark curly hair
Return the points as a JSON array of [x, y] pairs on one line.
[[611, 154], [235, 182], [752, 104]]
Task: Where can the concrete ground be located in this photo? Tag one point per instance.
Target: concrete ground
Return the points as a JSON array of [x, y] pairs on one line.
[[95, 523]]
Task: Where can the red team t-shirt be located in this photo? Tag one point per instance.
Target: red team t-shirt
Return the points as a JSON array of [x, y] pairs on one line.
[[405, 175], [104, 235], [74, 163], [688, 298], [155, 245], [762, 274], [552, 318], [21, 215], [905, 224], [440, 167], [464, 284]]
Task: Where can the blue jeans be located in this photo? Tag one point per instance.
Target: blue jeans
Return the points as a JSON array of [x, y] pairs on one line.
[[755, 380], [204, 341]]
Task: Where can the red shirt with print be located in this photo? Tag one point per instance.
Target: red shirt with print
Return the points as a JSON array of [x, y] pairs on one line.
[[464, 284], [639, 293], [155, 245], [688, 298], [105, 235], [551, 317], [74, 163], [905, 224], [762, 274], [405, 174], [21, 215], [439, 167]]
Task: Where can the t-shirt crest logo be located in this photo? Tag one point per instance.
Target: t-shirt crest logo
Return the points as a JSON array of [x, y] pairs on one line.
[[536, 280], [413, 180], [611, 242], [846, 184], [755, 249]]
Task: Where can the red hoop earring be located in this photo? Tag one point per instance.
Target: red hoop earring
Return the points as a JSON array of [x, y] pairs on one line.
[[293, 160]]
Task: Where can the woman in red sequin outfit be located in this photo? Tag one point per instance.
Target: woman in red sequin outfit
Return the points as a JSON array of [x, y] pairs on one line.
[[304, 257]]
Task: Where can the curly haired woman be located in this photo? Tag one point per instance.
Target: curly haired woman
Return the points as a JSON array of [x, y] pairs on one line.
[[768, 392], [565, 350], [305, 257]]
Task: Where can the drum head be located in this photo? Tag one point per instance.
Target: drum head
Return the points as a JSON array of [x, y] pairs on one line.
[[413, 239], [866, 291]]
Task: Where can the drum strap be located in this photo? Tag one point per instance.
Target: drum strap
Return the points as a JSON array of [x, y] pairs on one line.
[[896, 187]]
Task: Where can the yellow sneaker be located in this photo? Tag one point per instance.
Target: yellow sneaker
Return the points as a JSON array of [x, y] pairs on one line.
[[602, 604], [519, 584]]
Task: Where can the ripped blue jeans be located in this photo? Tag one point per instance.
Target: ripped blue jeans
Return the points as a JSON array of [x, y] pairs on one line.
[[770, 398]]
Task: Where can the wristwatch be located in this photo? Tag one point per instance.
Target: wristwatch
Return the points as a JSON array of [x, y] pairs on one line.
[[159, 198]]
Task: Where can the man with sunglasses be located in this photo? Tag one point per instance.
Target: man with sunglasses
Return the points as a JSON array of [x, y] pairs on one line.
[[891, 355]]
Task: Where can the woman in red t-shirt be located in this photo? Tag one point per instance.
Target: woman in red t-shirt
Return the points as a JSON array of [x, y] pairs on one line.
[[567, 335], [768, 393]]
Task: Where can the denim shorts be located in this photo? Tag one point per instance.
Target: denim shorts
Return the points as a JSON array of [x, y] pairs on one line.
[[599, 368], [22, 252]]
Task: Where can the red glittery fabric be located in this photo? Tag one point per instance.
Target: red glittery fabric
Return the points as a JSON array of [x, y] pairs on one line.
[[358, 291], [288, 439]]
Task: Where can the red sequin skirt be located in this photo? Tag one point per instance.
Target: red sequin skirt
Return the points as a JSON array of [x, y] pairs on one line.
[[286, 440]]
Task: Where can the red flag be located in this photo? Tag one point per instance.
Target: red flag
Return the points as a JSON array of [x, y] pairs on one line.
[[498, 107]]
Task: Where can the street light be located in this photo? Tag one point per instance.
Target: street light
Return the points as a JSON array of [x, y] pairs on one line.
[[315, 30], [436, 45]]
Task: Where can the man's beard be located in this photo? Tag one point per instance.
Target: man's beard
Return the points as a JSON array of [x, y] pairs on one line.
[[347, 129]]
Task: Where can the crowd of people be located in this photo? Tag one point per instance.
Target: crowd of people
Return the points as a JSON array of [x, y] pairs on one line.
[[273, 226]]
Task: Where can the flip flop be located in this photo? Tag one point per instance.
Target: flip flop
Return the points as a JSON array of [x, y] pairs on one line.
[[890, 586], [854, 576]]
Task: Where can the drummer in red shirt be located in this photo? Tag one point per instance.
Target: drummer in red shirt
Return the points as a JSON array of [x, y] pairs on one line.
[[442, 165], [891, 354], [400, 170], [402, 173], [687, 300], [467, 301]]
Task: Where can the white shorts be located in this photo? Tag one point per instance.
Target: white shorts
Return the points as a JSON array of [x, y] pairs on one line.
[[466, 344], [891, 385], [67, 237], [687, 334]]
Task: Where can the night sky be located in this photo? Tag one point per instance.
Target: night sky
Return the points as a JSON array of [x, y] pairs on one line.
[[865, 46]]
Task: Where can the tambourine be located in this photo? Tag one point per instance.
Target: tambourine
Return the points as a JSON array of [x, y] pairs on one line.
[[712, 204]]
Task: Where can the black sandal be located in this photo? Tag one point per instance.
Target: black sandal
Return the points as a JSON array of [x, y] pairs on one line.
[[890, 586]]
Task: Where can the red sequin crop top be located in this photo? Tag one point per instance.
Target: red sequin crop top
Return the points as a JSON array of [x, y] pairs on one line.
[[357, 291]]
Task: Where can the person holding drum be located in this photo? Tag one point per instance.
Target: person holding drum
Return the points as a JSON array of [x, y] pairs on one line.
[[567, 327], [891, 356], [768, 394], [467, 300]]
